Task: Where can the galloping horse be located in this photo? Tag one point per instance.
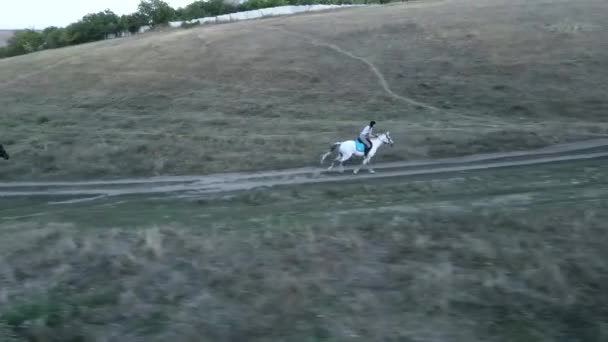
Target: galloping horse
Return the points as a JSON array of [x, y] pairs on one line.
[[348, 148], [3, 153]]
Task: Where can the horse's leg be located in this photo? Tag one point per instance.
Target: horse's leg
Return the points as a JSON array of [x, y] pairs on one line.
[[325, 155], [369, 165], [342, 160], [365, 162], [338, 159], [331, 167], [355, 171]]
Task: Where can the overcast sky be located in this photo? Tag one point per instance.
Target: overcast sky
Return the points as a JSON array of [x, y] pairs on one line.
[[38, 14]]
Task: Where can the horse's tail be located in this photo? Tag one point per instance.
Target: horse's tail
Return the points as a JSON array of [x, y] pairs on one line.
[[332, 148]]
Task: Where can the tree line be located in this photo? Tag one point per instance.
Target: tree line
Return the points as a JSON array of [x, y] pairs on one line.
[[99, 26]]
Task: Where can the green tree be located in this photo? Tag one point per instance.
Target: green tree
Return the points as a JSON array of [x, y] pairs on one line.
[[53, 37], [92, 27], [156, 12], [259, 4], [25, 41], [99, 25], [179, 14], [194, 10], [219, 7], [132, 22]]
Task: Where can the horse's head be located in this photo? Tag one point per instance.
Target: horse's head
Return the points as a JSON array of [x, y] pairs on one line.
[[386, 138], [3, 153]]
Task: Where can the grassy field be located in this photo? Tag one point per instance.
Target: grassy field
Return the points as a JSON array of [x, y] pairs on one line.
[[446, 77], [510, 255], [499, 255]]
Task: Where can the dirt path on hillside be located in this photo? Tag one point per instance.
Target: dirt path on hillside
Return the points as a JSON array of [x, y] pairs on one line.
[[187, 186], [381, 78]]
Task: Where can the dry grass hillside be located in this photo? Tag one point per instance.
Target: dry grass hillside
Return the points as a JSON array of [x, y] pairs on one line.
[[494, 254], [446, 77], [512, 255]]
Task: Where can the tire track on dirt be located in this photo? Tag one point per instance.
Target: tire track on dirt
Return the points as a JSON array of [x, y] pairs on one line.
[[193, 186], [381, 79], [379, 75]]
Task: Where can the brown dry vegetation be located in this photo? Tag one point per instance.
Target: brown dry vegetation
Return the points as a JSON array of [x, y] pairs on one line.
[[508, 255], [459, 77], [437, 276], [514, 254]]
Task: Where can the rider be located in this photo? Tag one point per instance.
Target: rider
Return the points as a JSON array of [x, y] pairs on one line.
[[366, 135]]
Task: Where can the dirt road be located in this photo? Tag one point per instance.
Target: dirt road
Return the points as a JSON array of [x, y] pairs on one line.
[[198, 185]]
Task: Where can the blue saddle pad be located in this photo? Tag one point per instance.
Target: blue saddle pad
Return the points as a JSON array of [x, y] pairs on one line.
[[360, 146]]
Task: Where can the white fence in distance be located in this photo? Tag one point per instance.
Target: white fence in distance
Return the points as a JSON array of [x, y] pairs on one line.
[[261, 13]]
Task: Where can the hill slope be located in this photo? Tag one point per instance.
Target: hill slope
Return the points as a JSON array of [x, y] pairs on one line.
[[447, 78]]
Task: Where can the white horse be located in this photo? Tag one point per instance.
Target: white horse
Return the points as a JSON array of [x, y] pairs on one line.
[[348, 148]]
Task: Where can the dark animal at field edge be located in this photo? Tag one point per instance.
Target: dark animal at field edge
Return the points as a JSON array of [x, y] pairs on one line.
[[3, 153]]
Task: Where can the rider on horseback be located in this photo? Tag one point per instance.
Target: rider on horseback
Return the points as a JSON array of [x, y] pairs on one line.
[[366, 135]]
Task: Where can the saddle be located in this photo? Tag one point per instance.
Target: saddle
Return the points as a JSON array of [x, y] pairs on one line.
[[361, 147]]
